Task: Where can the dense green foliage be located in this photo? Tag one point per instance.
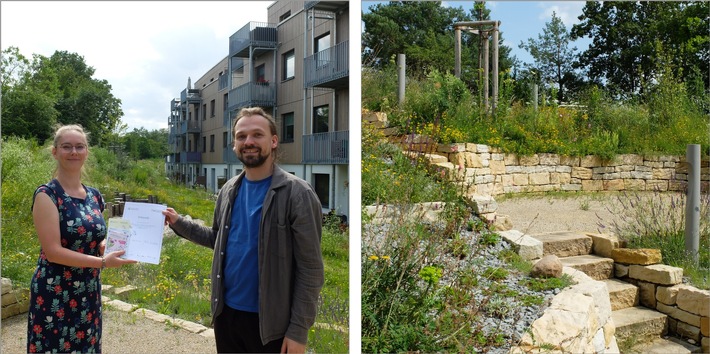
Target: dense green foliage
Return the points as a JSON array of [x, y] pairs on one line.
[[179, 286], [630, 37]]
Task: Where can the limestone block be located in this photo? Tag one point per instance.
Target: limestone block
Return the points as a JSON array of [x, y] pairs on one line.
[[520, 179], [694, 300], [497, 167], [547, 267], [481, 179], [569, 323], [581, 172], [465, 159], [15, 296], [569, 160], [529, 160], [190, 326], [657, 185], [610, 176], [635, 184], [598, 342], [549, 159], [599, 293], [705, 326], [590, 161], [592, 185], [455, 147], [6, 285], [641, 175], [539, 178], [668, 294], [563, 169], [503, 223], [511, 160], [653, 164], [657, 273], [483, 148], [678, 314], [123, 306], [527, 247], [124, 289], [497, 156], [677, 186], [603, 170], [705, 344], [621, 270], [560, 178], [150, 314], [15, 309], [647, 294], [603, 244], [209, 333], [614, 185], [641, 256], [662, 173], [370, 116], [483, 203], [609, 331], [688, 331], [571, 187]]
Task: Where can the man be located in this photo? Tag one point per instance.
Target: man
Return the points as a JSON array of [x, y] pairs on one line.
[[267, 269]]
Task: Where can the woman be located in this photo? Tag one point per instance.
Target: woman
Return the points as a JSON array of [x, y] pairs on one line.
[[65, 308]]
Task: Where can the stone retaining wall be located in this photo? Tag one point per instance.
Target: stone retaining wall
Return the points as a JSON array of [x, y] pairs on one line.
[[486, 170], [14, 301]]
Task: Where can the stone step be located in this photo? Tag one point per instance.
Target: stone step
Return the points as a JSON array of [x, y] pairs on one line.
[[666, 346], [564, 243], [638, 325], [622, 294], [595, 267]]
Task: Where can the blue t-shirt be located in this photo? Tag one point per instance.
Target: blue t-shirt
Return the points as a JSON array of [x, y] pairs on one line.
[[241, 272]]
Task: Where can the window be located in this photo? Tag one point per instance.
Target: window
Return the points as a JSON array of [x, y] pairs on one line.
[[289, 65], [288, 126], [320, 119], [224, 140], [212, 143], [285, 15], [261, 74], [226, 101], [320, 45], [212, 109], [204, 144], [321, 184], [204, 111]]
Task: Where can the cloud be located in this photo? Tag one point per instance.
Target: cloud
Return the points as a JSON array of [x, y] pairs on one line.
[[146, 50], [567, 11]]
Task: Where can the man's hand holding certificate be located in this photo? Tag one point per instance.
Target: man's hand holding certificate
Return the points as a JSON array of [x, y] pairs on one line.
[[139, 232]]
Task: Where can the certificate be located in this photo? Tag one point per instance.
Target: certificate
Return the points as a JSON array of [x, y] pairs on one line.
[[139, 232]]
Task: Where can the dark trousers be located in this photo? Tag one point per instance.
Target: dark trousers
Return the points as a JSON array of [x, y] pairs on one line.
[[238, 332]]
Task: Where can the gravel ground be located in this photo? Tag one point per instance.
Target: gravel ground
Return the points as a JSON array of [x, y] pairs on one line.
[[533, 215], [122, 333]]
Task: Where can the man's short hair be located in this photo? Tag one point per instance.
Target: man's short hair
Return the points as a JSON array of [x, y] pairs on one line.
[[256, 111]]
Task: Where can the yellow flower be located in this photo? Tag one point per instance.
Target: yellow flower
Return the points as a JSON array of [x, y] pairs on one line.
[[385, 257], [374, 258]]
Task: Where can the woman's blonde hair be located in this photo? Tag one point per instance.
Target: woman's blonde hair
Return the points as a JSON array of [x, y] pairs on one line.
[[59, 132]]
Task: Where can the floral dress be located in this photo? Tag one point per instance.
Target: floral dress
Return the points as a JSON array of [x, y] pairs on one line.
[[65, 307]]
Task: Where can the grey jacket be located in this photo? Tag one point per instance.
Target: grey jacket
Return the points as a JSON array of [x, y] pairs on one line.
[[290, 260]]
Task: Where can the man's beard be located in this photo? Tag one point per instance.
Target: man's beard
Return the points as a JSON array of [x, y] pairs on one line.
[[253, 161]]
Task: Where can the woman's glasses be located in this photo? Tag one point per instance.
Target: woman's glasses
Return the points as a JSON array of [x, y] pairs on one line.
[[68, 148]]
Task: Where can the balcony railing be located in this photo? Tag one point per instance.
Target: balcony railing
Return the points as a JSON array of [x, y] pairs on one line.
[[223, 82], [190, 157], [252, 94], [228, 155], [190, 95], [326, 148], [190, 126], [327, 68], [255, 34], [331, 6]]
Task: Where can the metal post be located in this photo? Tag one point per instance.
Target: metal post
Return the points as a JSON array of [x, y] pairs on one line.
[[534, 98], [401, 66], [495, 66], [457, 53], [692, 204]]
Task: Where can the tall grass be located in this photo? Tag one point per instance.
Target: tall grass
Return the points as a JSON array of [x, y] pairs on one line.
[[180, 285]]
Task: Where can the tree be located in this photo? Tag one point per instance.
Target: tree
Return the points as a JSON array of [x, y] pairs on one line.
[[552, 55], [625, 37]]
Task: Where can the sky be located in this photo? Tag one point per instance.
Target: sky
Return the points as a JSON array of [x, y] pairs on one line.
[[146, 50], [521, 20]]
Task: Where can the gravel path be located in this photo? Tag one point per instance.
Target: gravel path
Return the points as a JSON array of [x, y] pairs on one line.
[[541, 214], [122, 333]]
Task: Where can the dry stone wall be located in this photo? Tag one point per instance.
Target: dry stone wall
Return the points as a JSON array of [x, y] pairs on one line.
[[14, 301]]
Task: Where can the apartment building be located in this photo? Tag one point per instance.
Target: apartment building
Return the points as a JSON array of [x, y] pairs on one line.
[[295, 66]]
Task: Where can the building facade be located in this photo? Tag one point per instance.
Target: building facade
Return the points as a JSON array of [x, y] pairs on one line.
[[295, 66]]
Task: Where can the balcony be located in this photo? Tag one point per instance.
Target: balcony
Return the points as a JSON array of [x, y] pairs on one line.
[[190, 157], [252, 94], [228, 155], [326, 148], [189, 126], [259, 35], [328, 68], [330, 6], [190, 96]]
